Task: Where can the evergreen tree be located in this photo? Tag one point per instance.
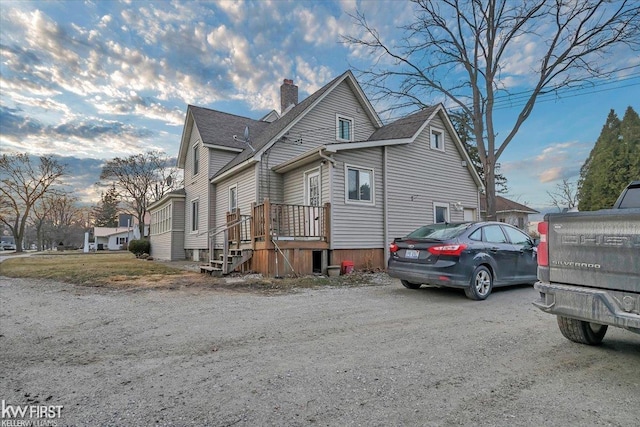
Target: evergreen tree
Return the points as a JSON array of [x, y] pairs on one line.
[[612, 163], [106, 213], [630, 131]]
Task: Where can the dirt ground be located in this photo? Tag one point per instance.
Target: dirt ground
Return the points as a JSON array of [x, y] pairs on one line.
[[374, 355]]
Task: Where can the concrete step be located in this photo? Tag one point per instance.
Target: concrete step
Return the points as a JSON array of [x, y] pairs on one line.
[[213, 271]]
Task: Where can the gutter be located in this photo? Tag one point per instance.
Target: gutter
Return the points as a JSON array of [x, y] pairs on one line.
[[324, 156]]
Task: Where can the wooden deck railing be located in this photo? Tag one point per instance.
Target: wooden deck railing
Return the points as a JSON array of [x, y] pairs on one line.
[[240, 232], [291, 222]]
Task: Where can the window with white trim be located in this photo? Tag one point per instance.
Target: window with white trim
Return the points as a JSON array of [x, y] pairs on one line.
[[437, 139], [233, 198], [161, 220], [195, 215], [359, 184], [344, 128], [196, 158], [441, 212]]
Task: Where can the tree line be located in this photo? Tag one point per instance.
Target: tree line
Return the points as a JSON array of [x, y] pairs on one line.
[[35, 204]]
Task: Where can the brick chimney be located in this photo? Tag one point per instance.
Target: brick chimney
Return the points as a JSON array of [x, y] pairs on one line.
[[288, 95]]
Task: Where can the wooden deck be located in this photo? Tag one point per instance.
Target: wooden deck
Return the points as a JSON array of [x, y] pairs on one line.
[[281, 238]]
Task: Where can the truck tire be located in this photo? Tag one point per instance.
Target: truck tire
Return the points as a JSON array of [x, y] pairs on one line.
[[410, 285], [580, 331]]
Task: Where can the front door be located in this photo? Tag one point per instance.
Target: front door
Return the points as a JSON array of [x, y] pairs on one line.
[[312, 192]]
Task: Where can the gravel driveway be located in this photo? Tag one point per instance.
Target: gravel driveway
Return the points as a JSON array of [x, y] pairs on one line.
[[375, 355]]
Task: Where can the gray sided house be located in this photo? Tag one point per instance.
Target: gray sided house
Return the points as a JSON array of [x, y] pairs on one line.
[[321, 183]]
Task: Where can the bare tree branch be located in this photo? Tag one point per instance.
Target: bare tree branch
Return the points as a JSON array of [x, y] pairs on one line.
[[23, 184], [480, 36], [564, 196], [141, 179]]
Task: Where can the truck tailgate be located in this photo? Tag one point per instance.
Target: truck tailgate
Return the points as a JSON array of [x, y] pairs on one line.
[[597, 249]]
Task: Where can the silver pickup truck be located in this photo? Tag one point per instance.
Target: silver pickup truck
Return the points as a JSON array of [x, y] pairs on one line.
[[589, 269]]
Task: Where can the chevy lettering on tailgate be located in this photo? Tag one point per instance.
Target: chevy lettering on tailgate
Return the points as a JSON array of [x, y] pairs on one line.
[[632, 241]]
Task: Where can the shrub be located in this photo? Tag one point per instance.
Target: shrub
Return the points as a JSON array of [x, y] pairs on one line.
[[139, 247]]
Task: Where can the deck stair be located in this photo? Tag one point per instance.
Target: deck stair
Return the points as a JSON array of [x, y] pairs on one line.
[[222, 267]]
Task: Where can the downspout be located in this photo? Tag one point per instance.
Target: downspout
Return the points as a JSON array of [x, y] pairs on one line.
[[332, 163], [385, 210], [324, 156]]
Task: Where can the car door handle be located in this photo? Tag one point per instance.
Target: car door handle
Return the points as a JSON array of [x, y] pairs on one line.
[[494, 249]]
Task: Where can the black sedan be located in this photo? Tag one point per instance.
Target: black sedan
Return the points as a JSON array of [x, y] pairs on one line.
[[475, 256]]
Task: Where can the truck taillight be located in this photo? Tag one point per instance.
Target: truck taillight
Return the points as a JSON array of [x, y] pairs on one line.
[[543, 248]]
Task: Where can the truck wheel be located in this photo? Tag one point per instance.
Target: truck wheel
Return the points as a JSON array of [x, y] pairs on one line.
[[410, 285], [481, 284], [580, 331]]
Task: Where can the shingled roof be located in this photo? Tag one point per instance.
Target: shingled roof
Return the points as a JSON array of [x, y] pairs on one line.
[[218, 128], [274, 128], [405, 127], [506, 205]]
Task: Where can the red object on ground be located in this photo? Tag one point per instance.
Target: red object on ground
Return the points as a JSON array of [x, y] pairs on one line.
[[346, 267]]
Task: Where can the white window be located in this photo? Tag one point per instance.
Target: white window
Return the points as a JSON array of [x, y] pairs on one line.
[[196, 158], [469, 214], [437, 139], [344, 128], [441, 212], [359, 184], [312, 187], [233, 198], [161, 220], [122, 240], [195, 207]]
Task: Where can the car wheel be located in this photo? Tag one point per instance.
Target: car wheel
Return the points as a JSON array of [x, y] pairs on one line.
[[582, 332], [481, 284], [410, 285]]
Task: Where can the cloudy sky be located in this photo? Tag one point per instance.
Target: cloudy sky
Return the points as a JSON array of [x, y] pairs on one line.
[[92, 80]]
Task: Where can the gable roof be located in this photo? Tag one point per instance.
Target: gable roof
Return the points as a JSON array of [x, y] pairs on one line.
[[504, 205], [405, 127], [217, 129], [277, 128]]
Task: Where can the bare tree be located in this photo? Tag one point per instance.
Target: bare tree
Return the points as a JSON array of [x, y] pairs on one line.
[[23, 184], [141, 179], [67, 220], [40, 217], [461, 51], [564, 196]]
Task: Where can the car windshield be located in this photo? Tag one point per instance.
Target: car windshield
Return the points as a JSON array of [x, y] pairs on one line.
[[440, 231]]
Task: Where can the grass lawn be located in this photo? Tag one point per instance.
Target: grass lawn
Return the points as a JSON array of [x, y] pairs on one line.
[[94, 269], [123, 270]]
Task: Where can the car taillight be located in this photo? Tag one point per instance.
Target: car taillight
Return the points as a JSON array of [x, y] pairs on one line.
[[454, 250], [543, 247], [393, 248]]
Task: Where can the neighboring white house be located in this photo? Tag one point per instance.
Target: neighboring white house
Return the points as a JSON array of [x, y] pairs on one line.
[[114, 238], [321, 183], [117, 238]]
